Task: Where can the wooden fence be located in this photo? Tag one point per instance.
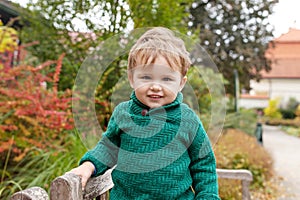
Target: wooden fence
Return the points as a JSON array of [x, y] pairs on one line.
[[68, 187]]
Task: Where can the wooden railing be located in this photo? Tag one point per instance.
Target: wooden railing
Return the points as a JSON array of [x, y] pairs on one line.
[[68, 187], [238, 174]]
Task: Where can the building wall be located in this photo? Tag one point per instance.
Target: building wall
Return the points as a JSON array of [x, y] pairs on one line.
[[253, 103], [284, 89]]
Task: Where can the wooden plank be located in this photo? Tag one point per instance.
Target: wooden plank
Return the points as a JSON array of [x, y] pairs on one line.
[[239, 174]]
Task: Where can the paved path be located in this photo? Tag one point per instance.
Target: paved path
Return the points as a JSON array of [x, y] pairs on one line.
[[285, 150]]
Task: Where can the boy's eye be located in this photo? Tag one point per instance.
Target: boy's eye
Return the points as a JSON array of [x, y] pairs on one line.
[[167, 79], [145, 77]]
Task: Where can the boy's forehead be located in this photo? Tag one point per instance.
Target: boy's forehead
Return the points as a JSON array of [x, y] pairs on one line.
[[155, 68]]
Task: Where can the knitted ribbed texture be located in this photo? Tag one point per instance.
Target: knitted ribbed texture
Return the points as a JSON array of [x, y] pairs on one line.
[[159, 154]]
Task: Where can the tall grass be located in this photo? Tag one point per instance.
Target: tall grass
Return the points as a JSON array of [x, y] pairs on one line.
[[41, 167]]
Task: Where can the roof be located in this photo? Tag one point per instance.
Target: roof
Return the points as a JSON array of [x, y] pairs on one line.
[[285, 56], [293, 35], [284, 68], [256, 96]]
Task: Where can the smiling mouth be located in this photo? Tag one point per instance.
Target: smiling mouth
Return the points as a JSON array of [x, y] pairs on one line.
[[154, 96]]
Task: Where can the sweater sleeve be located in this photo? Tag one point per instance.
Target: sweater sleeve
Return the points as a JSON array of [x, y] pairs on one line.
[[203, 167], [104, 154]]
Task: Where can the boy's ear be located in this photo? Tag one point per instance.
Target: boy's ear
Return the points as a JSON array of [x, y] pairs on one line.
[[183, 82], [130, 78]]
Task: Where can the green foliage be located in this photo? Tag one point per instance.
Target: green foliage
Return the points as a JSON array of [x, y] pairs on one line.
[[58, 21], [223, 28], [272, 110], [106, 88], [41, 166], [292, 130], [235, 35], [99, 20], [297, 112], [201, 89], [287, 114], [244, 120], [292, 104], [167, 13]]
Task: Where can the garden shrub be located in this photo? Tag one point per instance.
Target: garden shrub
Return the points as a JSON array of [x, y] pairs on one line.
[[297, 113], [292, 104], [238, 150], [287, 114], [286, 121], [272, 110], [33, 113], [244, 120]]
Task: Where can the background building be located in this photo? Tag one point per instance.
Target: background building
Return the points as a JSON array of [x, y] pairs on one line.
[[283, 81]]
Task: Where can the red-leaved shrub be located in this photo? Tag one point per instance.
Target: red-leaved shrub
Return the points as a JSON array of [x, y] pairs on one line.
[[32, 111]]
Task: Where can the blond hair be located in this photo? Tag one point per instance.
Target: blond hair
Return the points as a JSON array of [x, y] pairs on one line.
[[156, 42]]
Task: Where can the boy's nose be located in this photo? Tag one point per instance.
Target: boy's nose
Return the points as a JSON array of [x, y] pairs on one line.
[[155, 87]]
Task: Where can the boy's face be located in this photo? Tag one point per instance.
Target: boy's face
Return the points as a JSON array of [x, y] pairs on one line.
[[156, 84]]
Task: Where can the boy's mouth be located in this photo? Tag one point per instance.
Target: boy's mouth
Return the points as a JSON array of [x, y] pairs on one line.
[[155, 96]]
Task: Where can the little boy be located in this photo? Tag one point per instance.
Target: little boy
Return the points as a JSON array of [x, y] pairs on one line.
[[158, 144]]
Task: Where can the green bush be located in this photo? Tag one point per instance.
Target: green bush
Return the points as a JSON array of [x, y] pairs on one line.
[[244, 120], [292, 104], [201, 91], [287, 114], [295, 131]]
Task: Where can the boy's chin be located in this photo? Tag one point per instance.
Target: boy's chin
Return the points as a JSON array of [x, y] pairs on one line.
[[154, 105]]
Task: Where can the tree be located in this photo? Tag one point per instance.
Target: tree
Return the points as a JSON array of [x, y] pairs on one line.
[[235, 33], [99, 19], [75, 28], [168, 13]]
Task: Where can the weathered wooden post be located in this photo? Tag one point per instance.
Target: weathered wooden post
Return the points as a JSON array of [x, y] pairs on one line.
[[33, 193], [68, 187]]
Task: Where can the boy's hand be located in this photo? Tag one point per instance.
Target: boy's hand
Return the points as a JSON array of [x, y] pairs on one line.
[[84, 171]]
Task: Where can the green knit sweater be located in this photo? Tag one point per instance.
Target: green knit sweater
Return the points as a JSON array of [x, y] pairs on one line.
[[160, 153]]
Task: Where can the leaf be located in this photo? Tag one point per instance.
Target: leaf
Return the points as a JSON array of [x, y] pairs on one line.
[[24, 130]]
